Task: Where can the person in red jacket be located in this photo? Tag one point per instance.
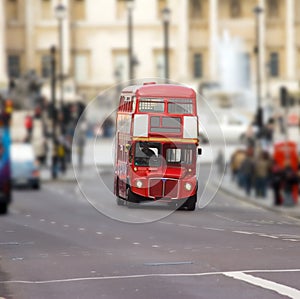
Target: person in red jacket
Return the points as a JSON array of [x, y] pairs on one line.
[[29, 127]]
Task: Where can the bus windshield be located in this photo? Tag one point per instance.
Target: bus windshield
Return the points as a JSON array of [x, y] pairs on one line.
[[182, 155], [147, 154]]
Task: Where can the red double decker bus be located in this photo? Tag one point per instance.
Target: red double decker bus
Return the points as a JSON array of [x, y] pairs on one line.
[[157, 145]]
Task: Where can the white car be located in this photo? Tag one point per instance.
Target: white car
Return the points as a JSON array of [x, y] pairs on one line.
[[25, 171], [233, 126]]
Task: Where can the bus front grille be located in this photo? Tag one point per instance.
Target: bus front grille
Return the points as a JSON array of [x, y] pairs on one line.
[[163, 187]]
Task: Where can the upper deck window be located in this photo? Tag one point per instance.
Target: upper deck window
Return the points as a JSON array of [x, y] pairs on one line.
[[151, 105], [180, 106]]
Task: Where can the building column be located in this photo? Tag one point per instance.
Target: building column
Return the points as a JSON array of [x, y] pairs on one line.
[[3, 73], [213, 26], [66, 39], [290, 39], [262, 48], [183, 40], [30, 54]]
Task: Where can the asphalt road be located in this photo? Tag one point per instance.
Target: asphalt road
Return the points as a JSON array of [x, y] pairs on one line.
[[55, 244]]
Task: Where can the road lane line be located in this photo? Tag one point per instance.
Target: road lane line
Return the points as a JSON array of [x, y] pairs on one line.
[[214, 228], [187, 225], [242, 232], [143, 276], [265, 284]]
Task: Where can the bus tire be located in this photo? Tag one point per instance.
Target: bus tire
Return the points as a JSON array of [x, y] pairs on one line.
[[119, 200], [3, 208], [191, 203], [132, 199]]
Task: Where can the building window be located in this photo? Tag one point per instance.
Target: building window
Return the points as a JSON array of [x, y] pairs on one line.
[[161, 4], [81, 68], [195, 9], [121, 67], [78, 10], [273, 8], [14, 66], [198, 65], [235, 8], [46, 66], [46, 10], [12, 10], [274, 64]]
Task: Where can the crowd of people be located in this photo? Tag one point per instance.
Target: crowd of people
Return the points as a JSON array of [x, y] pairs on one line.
[[255, 171]]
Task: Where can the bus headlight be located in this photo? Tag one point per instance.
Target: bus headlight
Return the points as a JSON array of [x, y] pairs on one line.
[[139, 184], [188, 186]]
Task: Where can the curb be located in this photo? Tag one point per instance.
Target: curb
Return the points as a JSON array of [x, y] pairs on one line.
[[257, 203]]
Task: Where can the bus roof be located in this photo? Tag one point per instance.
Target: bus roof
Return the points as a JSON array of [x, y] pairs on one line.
[[160, 90]]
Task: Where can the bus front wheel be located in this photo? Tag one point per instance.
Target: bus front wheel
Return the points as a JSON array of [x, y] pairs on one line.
[[3, 208], [132, 199], [190, 203]]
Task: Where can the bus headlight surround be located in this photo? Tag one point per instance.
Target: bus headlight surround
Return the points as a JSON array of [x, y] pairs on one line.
[[188, 186], [139, 183]]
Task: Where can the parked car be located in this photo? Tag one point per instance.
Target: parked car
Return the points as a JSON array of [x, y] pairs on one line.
[[25, 170]]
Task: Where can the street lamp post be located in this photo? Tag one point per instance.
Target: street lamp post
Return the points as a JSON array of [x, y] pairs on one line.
[[166, 12], [60, 13], [130, 39], [53, 112], [259, 116]]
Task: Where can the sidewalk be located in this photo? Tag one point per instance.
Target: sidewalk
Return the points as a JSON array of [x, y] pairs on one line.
[[232, 189]]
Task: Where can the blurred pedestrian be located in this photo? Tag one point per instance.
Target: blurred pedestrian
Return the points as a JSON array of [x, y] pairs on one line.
[[61, 154], [28, 123], [246, 172], [220, 162], [235, 163], [41, 151], [276, 182], [267, 135], [250, 137], [290, 182], [80, 148], [261, 174]]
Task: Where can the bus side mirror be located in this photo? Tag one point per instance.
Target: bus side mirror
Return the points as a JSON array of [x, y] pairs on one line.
[[199, 151]]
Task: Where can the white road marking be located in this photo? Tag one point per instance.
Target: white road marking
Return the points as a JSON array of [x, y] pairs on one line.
[[155, 246], [292, 240], [99, 233], [53, 222], [118, 238], [166, 275], [214, 228], [81, 229], [187, 225], [136, 243], [266, 284], [42, 220], [66, 225], [268, 236], [242, 232]]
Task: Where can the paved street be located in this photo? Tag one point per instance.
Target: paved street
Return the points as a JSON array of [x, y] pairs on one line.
[[54, 244]]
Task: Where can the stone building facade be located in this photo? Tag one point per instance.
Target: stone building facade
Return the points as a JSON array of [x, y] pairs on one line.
[[95, 45]]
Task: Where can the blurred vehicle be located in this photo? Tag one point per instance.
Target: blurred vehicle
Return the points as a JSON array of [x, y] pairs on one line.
[[25, 171], [5, 174], [234, 127]]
